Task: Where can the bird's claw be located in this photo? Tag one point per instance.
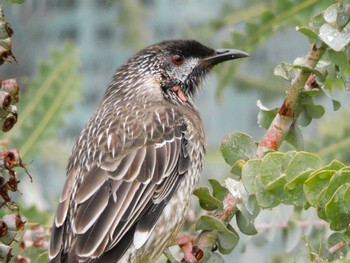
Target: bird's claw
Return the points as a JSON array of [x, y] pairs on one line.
[[192, 254]]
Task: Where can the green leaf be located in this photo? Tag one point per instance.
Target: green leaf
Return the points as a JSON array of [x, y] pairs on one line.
[[315, 111], [310, 110], [321, 204], [236, 169], [294, 188], [245, 225], [272, 173], [338, 211], [309, 33], [270, 179], [264, 198], [277, 184], [233, 186], [316, 22], [272, 166], [295, 137], [304, 119], [334, 38], [334, 165], [227, 241], [265, 116], [336, 103], [252, 207], [237, 146], [250, 171], [227, 236], [207, 222], [339, 58], [285, 70], [338, 179], [206, 200], [319, 70], [330, 14], [219, 191], [301, 163], [315, 184]]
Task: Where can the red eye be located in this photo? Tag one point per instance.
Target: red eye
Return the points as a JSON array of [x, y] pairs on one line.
[[177, 59]]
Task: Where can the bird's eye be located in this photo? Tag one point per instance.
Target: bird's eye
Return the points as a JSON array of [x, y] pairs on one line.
[[177, 59]]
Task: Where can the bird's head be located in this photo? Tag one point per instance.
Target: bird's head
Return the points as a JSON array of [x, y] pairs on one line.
[[171, 70]]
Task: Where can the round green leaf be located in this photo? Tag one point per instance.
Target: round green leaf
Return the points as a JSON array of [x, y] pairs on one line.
[[315, 111], [244, 224], [238, 146], [338, 179], [271, 167], [227, 241], [249, 172], [302, 162], [206, 200], [309, 32], [337, 211], [236, 169], [265, 115], [219, 191], [263, 197], [286, 71], [334, 38], [207, 222], [294, 188], [338, 57], [315, 184], [295, 137], [321, 204]]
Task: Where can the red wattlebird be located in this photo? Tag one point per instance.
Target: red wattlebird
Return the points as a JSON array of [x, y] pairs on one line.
[[133, 169]]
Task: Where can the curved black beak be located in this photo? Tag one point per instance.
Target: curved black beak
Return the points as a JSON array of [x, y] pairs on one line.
[[222, 55]]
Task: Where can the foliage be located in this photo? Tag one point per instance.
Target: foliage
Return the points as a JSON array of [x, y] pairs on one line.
[[263, 177], [253, 26], [47, 99]]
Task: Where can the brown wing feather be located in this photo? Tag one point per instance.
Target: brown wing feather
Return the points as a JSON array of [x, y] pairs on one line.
[[116, 187]]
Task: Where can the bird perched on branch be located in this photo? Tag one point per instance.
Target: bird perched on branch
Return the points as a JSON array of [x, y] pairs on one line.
[[133, 169]]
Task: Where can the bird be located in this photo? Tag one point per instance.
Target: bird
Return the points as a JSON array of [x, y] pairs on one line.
[[132, 171]]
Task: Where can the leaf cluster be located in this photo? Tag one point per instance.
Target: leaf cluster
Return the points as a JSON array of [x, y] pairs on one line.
[[295, 178]]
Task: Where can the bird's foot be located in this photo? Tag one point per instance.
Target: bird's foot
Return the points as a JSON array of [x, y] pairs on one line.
[[191, 252]]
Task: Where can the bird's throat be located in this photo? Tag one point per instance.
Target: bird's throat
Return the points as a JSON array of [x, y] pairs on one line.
[[177, 89]]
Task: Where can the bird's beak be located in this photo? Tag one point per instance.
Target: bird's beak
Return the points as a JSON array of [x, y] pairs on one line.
[[222, 55]]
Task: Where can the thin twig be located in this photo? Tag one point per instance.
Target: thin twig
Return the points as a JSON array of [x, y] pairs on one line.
[[316, 223], [337, 246]]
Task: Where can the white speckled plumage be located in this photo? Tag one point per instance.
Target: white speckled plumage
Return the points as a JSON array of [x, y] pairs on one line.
[[134, 167]]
